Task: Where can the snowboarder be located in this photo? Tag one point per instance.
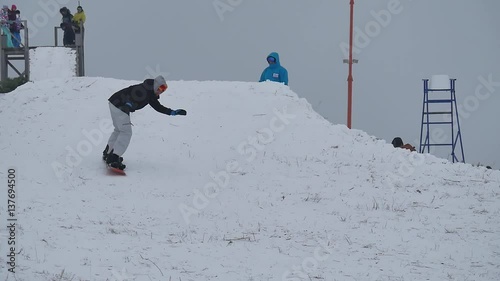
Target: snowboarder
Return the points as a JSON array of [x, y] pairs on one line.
[[128, 100], [274, 72]]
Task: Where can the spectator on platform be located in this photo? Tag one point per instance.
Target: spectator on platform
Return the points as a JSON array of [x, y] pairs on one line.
[[4, 23], [79, 20], [15, 26], [67, 27]]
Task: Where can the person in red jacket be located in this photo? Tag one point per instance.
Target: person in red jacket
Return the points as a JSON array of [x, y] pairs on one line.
[[128, 100]]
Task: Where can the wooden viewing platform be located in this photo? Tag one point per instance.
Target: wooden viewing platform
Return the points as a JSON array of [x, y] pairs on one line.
[[9, 54]]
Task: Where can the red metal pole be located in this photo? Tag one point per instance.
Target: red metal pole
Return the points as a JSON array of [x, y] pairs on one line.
[[349, 78]]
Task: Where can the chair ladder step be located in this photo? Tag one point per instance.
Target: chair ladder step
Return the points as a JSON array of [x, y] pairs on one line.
[[438, 123], [438, 112], [440, 101], [436, 144]]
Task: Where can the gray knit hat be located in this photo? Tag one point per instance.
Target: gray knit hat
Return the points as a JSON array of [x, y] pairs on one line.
[[158, 82]]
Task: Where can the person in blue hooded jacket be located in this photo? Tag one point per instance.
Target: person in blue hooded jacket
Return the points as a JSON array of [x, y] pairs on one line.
[[274, 72]]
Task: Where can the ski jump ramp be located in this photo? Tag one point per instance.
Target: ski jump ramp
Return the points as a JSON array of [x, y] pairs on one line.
[[52, 63]]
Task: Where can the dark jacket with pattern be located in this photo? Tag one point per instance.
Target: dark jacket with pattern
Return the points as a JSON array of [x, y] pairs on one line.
[[138, 96]]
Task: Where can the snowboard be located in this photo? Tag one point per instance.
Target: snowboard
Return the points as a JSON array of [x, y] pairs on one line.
[[115, 171], [112, 170]]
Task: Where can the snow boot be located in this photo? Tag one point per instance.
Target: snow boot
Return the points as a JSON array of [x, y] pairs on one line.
[[106, 153], [115, 161]]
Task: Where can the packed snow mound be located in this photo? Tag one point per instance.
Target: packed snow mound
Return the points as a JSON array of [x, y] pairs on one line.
[[52, 63], [252, 184]]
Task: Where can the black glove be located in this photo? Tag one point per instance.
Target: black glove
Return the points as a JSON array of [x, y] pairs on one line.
[[178, 112]]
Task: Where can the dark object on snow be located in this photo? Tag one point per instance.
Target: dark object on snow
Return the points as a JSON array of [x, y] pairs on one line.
[[398, 142]]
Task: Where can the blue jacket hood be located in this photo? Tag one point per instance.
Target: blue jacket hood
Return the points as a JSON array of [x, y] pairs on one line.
[[276, 56]]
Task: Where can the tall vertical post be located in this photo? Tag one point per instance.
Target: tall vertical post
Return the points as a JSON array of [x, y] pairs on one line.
[[3, 58], [80, 54], [26, 52], [349, 77], [55, 35]]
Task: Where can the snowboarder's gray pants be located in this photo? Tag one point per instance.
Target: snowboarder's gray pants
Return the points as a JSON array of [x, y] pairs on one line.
[[120, 138]]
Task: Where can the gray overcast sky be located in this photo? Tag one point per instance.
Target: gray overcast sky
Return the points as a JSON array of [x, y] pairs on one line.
[[191, 40]]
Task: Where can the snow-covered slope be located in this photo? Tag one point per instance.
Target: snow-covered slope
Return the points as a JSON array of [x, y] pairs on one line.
[[52, 62], [251, 185]]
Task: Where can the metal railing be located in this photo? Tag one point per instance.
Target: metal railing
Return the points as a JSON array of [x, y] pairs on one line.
[[78, 36]]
